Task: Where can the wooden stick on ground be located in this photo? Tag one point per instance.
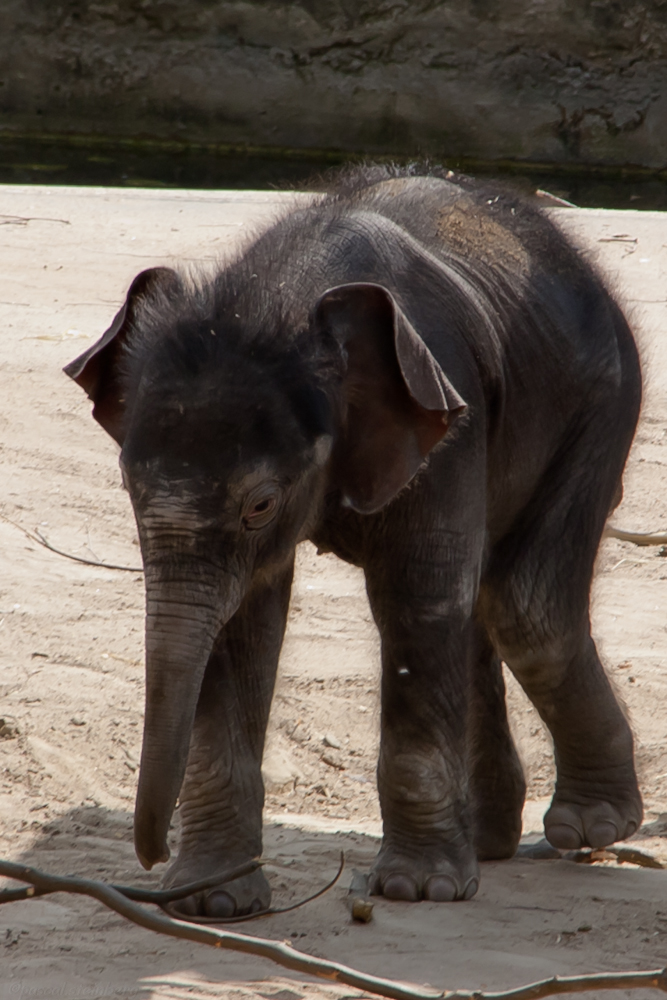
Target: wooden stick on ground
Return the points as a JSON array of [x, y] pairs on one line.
[[37, 536], [284, 954], [636, 537], [140, 895]]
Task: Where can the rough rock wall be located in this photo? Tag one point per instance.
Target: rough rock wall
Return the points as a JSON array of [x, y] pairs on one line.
[[551, 80]]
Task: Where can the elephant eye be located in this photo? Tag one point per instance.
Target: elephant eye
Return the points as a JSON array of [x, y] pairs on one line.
[[260, 508]]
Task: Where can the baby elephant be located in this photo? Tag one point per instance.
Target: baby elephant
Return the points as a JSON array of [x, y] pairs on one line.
[[417, 373]]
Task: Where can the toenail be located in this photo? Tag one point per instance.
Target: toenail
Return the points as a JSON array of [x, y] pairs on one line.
[[256, 906], [471, 887], [220, 904], [564, 836], [400, 887], [188, 906], [440, 889], [601, 834]]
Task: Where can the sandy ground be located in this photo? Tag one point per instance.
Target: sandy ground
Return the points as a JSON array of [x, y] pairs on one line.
[[71, 678]]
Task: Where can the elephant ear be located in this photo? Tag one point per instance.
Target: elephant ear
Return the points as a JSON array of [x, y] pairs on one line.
[[399, 402], [97, 370]]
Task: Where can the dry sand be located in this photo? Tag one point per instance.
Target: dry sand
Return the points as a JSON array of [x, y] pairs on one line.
[[71, 678]]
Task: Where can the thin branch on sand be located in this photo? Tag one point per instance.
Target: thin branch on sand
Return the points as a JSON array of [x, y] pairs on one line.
[[160, 897], [37, 536], [636, 537]]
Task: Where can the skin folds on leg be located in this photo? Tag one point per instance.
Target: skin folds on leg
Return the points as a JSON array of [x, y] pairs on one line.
[[223, 795], [427, 850], [498, 786]]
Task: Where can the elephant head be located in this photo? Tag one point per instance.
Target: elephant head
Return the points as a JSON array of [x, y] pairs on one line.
[[232, 430]]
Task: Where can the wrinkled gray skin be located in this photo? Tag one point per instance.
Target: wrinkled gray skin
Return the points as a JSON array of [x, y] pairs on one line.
[[418, 374]]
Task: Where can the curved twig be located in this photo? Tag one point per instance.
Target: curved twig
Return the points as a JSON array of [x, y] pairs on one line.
[[38, 537], [158, 896], [285, 955], [260, 913], [165, 897], [636, 537]]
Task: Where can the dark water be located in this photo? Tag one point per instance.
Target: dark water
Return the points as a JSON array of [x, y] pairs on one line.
[[130, 163]]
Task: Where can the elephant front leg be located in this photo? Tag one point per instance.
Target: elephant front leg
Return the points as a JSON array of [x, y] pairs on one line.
[[427, 849], [222, 796]]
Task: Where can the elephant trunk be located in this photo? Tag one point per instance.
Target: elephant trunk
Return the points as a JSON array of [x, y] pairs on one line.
[[182, 621]]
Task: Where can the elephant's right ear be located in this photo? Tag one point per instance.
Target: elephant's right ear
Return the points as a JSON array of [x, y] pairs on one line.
[[399, 404], [97, 369]]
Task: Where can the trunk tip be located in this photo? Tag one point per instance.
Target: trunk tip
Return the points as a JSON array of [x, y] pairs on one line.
[[148, 852], [148, 864]]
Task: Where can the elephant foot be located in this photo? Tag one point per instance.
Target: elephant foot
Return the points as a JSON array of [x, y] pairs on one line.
[[249, 894], [573, 825], [431, 873], [497, 811], [497, 832]]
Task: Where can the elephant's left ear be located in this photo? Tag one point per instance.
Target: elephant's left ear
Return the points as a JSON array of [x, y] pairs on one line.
[[399, 402], [97, 369]]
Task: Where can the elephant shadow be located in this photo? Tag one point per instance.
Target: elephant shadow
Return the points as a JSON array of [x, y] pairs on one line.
[[78, 944], [515, 931]]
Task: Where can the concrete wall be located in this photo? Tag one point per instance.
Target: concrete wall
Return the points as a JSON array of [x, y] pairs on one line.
[[554, 80]]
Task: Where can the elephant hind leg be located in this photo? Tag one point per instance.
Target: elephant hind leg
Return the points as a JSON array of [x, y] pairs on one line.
[[534, 601], [497, 783]]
